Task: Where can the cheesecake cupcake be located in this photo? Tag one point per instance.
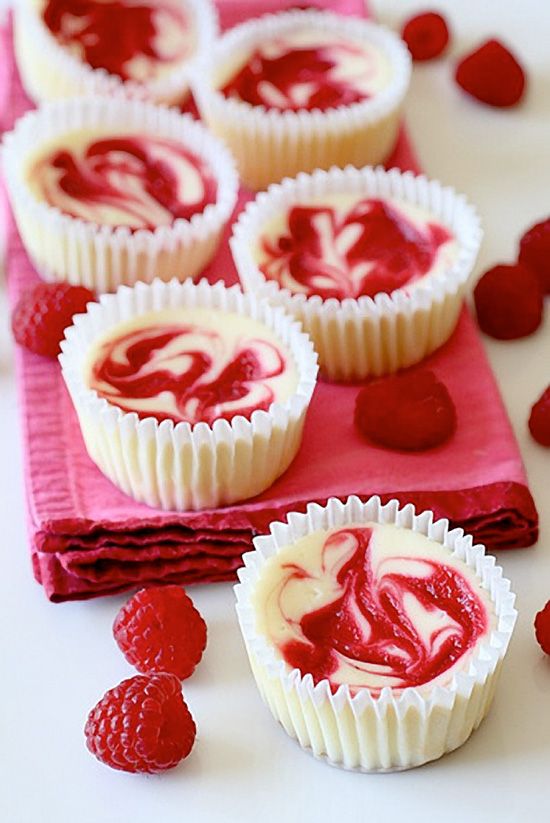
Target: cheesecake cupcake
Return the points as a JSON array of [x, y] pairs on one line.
[[189, 396], [144, 48], [375, 635], [107, 191], [301, 90], [373, 263]]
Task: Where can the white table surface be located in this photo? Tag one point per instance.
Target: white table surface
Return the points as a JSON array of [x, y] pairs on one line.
[[57, 660]]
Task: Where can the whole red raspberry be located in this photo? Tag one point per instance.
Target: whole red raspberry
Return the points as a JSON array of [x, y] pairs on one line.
[[492, 75], [426, 35], [542, 628], [43, 313], [411, 411], [539, 419], [142, 725], [508, 302], [160, 630], [534, 251]]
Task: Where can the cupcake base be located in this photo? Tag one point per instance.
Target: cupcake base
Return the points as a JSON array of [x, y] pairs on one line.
[[371, 742], [367, 336], [103, 258], [276, 155], [389, 731], [269, 144], [175, 465]]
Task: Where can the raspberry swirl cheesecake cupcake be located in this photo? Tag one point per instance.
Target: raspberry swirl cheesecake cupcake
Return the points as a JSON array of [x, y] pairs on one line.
[[189, 396], [144, 48], [373, 263], [300, 90], [376, 636], [110, 191]]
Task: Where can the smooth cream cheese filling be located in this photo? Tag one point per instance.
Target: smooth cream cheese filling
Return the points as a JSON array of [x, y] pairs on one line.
[[43, 178], [368, 70], [302, 579], [336, 245], [217, 336], [173, 43]]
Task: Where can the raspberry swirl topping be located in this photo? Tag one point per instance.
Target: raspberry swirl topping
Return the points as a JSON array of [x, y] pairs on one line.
[[134, 39], [344, 247], [132, 180], [191, 365], [372, 606], [305, 70]]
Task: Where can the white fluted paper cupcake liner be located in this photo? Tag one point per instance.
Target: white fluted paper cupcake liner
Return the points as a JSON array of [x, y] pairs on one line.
[[357, 338], [104, 257], [50, 71], [268, 144], [179, 466], [391, 731]]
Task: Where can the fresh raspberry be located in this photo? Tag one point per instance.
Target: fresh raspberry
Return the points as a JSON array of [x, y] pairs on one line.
[[411, 411], [534, 251], [492, 75], [142, 725], [426, 35], [508, 302], [160, 630], [43, 313], [539, 419], [542, 628]]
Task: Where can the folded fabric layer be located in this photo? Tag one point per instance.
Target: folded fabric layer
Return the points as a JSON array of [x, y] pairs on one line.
[[87, 538], [61, 585], [231, 12]]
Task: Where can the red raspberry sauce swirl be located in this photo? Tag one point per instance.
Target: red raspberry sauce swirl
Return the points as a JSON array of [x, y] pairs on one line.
[[369, 624], [139, 177], [290, 72], [109, 35], [372, 248], [207, 382]]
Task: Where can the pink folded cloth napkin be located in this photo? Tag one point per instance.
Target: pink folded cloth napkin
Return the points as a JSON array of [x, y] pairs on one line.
[[87, 538]]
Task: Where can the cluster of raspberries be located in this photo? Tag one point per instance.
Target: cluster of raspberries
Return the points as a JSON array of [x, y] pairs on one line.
[[509, 300], [490, 73], [143, 724]]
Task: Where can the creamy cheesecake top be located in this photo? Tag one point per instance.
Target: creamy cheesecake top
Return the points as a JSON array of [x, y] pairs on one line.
[[370, 606], [306, 69], [139, 40], [191, 364], [136, 180], [345, 245]]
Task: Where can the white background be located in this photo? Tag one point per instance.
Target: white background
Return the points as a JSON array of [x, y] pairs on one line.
[[57, 660]]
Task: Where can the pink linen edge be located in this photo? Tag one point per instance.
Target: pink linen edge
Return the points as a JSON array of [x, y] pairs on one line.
[[88, 538]]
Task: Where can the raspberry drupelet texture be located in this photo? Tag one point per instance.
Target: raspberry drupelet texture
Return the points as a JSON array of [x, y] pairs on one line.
[[160, 630], [43, 313], [539, 419], [534, 251], [142, 725], [426, 35], [508, 302], [492, 75], [409, 412], [542, 628]]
